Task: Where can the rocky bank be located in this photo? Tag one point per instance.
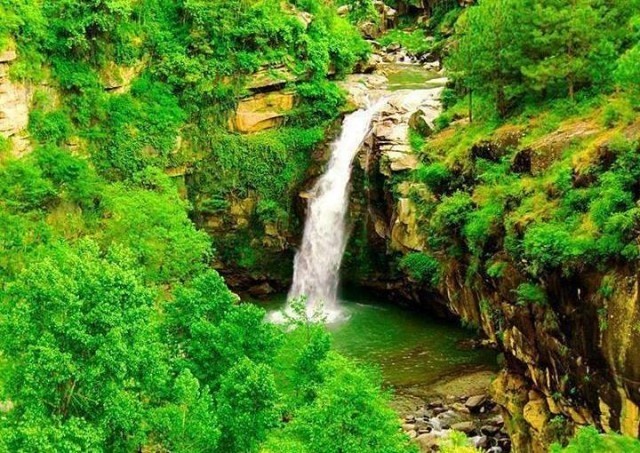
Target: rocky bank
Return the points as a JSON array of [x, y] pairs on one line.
[[569, 363]]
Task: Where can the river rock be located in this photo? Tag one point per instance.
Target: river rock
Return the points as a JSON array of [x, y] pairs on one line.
[[465, 427], [490, 430], [460, 407], [427, 442], [481, 442], [474, 403]]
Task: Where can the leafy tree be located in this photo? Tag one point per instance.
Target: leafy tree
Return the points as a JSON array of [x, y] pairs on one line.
[[348, 415], [209, 332], [84, 357], [490, 53], [187, 422], [627, 73], [246, 405], [562, 37], [154, 225]]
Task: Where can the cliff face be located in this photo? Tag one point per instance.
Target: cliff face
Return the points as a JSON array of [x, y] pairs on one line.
[[568, 362], [15, 99]]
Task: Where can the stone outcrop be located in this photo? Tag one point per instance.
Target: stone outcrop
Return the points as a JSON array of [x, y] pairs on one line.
[[117, 79], [568, 363], [262, 111], [268, 102], [15, 99], [372, 29], [388, 151]]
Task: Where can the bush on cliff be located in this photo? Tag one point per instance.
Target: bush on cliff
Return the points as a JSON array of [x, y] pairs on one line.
[[421, 267], [589, 440]]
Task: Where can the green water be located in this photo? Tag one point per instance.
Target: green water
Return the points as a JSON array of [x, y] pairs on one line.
[[409, 77], [411, 348]]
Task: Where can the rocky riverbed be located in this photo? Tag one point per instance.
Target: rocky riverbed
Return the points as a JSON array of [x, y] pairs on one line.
[[477, 416]]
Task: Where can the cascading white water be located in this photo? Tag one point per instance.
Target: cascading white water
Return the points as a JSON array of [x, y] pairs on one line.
[[317, 263]]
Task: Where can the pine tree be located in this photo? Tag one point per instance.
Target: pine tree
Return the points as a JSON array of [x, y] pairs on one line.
[[563, 36], [489, 53]]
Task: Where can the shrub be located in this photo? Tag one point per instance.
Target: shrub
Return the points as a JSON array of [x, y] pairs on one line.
[[452, 213], [50, 127], [436, 176], [589, 440], [421, 267], [550, 246], [529, 293]]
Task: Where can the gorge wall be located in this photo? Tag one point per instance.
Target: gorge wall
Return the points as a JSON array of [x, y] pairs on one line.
[[568, 362]]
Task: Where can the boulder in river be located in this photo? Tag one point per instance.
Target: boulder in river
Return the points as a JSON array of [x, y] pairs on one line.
[[475, 403]]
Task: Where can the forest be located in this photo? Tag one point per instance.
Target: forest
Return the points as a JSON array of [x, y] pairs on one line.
[[135, 209]]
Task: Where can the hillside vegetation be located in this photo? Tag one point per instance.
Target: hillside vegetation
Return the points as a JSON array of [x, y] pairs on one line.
[[114, 333]]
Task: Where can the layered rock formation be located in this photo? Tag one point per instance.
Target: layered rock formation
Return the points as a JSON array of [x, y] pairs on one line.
[[15, 99], [571, 362]]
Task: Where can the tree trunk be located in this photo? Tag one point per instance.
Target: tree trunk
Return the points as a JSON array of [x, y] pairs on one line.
[[501, 102]]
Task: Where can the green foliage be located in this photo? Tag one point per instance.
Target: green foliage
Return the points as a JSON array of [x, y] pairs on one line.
[[209, 331], [563, 51], [628, 73], [361, 11], [523, 50], [188, 421], [23, 187], [414, 42], [349, 414], [246, 398], [320, 101], [457, 442], [154, 225], [589, 440], [50, 127], [421, 267], [529, 293], [490, 54], [137, 130], [84, 357], [451, 214]]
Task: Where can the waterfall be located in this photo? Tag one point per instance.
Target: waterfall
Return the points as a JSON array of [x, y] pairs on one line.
[[317, 262]]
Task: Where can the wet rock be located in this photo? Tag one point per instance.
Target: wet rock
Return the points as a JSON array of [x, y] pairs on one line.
[[490, 430], [475, 403], [261, 290], [439, 410], [536, 413], [262, 111], [481, 442], [465, 427], [422, 121], [427, 442], [460, 407], [370, 30]]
